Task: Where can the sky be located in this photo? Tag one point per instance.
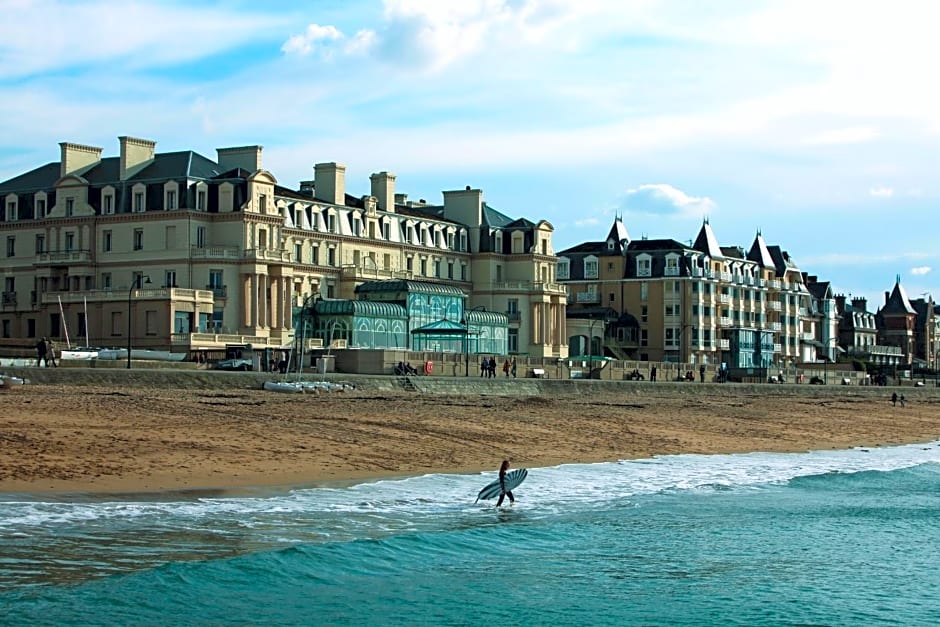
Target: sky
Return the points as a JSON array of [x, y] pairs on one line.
[[814, 123]]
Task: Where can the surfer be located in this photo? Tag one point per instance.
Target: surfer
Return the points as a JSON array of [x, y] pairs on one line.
[[503, 493]]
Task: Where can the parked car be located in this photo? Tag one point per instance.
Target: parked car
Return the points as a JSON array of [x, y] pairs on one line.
[[234, 364]]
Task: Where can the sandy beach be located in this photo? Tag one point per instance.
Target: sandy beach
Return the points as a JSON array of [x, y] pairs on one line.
[[59, 438]]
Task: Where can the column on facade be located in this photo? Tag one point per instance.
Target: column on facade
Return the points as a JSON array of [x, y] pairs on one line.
[[546, 324], [262, 296], [276, 305], [536, 324], [561, 336], [247, 304]]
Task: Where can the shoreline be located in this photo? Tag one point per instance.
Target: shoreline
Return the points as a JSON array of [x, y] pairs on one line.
[[99, 439]]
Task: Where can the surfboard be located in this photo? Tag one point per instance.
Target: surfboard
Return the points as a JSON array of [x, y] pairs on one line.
[[513, 479]]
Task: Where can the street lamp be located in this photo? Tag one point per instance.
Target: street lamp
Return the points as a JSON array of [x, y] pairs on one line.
[[135, 285], [466, 338]]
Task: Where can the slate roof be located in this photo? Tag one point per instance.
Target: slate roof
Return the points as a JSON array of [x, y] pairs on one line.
[[585, 248], [706, 241], [642, 245], [819, 289], [184, 164], [759, 252], [898, 302]]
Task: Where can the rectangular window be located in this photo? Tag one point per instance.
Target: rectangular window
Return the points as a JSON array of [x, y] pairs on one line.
[[69, 242], [105, 280], [644, 337], [315, 255], [437, 268], [513, 344], [169, 279], [262, 203], [644, 313], [170, 199], [11, 211], [69, 207], [106, 241], [215, 279], [463, 241], [138, 201], [424, 267], [331, 223], [386, 231], [409, 264], [331, 256], [40, 244], [298, 252], [450, 269], [330, 291], [644, 290], [463, 272], [116, 325], [590, 269], [262, 239], [107, 204], [138, 239], [201, 200], [450, 241], [40, 208], [200, 237], [11, 246]]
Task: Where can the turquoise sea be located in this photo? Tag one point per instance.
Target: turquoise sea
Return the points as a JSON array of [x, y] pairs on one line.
[[823, 538]]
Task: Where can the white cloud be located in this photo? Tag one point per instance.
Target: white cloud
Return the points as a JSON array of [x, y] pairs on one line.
[[921, 270], [863, 259], [880, 191], [304, 43], [587, 222], [855, 135], [664, 199]]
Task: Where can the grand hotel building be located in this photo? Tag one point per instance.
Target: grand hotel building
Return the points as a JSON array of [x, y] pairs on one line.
[[198, 253]]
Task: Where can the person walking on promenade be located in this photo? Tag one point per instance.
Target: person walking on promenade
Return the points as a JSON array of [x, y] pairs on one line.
[[701, 373], [40, 352], [513, 368], [901, 400], [506, 367], [484, 366], [50, 354], [653, 373], [894, 399]]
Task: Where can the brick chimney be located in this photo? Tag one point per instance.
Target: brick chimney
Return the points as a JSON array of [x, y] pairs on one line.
[[77, 157], [330, 183], [860, 303], [245, 157], [136, 154]]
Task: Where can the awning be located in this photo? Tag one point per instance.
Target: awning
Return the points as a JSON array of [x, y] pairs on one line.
[[814, 342]]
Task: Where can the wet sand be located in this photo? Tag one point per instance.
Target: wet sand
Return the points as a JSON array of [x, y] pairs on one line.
[[59, 438]]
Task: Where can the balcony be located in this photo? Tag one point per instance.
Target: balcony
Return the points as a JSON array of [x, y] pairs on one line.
[[356, 273], [776, 326], [724, 321], [63, 257], [266, 254], [9, 299], [530, 287], [775, 305], [211, 340], [725, 276], [218, 291], [724, 298], [774, 284], [120, 294], [723, 345], [778, 348], [216, 252], [808, 336], [671, 271], [514, 316], [587, 297]]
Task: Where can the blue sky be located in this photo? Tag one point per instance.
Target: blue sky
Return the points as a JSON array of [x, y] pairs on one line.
[[815, 123]]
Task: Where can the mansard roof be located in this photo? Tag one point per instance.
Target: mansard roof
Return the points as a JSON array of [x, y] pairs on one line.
[[586, 248], [184, 164], [647, 245], [782, 260], [820, 289]]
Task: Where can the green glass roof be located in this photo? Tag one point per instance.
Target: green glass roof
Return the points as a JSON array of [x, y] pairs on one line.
[[402, 285], [365, 308]]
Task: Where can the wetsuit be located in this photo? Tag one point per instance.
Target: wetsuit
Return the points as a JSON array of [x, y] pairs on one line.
[[503, 491]]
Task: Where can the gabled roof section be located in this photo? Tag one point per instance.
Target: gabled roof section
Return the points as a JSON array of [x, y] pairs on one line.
[[706, 241], [898, 302], [733, 252], [782, 260], [177, 165], [820, 289], [759, 252]]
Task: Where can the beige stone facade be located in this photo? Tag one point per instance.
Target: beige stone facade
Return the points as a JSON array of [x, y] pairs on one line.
[[230, 253]]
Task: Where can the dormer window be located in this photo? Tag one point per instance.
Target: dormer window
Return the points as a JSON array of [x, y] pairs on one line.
[[672, 265], [171, 199], [590, 268], [610, 244], [107, 204], [40, 208], [11, 211], [563, 270], [69, 207], [463, 241], [644, 265]]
